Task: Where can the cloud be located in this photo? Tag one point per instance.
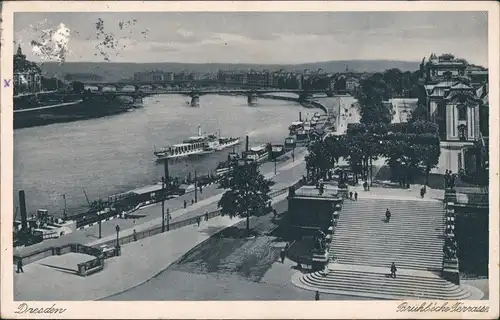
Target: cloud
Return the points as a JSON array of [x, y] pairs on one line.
[[274, 37]]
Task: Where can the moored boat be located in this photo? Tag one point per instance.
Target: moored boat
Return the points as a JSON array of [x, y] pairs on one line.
[[258, 154], [277, 150], [226, 142], [196, 145]]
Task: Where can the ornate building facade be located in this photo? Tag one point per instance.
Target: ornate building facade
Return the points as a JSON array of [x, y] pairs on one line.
[[457, 107], [27, 75]]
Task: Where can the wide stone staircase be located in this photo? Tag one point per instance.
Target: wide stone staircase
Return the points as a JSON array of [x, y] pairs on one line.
[[364, 246]]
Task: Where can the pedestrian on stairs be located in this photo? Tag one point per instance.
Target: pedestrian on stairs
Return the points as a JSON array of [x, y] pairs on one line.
[[423, 191], [393, 270], [387, 215], [282, 255], [316, 296], [355, 195], [19, 265]]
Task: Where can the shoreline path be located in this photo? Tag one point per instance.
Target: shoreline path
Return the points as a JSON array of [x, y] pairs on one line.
[[152, 214], [54, 278]]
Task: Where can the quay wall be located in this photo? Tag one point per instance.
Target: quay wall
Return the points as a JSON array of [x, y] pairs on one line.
[[43, 253], [87, 109]]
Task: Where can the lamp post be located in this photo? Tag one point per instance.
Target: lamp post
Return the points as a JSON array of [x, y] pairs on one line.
[[195, 188], [117, 240], [274, 158], [99, 209], [163, 204], [168, 219]]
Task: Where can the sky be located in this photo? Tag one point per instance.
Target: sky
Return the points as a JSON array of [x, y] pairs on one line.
[[263, 38]]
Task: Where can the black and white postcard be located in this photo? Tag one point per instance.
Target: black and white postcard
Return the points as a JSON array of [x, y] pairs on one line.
[[249, 159]]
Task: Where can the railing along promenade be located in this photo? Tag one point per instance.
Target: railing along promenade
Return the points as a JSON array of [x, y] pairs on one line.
[[46, 252]]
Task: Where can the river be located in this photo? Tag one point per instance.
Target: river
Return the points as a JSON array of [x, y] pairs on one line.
[[114, 154]]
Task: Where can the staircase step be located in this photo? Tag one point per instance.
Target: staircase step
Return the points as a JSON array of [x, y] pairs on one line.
[[373, 283], [363, 237], [378, 280], [354, 252], [387, 263], [357, 240], [413, 239], [391, 287]]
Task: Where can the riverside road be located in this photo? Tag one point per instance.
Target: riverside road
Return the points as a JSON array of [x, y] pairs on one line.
[[289, 172]]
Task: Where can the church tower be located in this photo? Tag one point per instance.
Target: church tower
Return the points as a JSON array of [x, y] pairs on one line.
[[19, 53]]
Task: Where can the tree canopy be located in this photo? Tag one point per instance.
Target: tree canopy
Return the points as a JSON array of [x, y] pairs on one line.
[[410, 149], [247, 194]]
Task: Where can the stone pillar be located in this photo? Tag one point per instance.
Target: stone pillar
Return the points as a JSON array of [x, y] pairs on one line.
[[450, 271], [82, 271], [138, 100], [251, 98], [118, 251], [195, 101]]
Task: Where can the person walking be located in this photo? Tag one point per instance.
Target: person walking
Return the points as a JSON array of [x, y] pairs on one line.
[[423, 191], [275, 213], [206, 216], [355, 195], [316, 296], [185, 204], [20, 266], [350, 195], [201, 188], [282, 255], [192, 201], [198, 220], [365, 185], [393, 270], [135, 235], [387, 215]]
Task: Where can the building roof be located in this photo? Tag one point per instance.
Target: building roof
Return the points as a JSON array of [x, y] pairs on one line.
[[429, 87], [486, 99], [461, 86], [147, 189], [445, 84]]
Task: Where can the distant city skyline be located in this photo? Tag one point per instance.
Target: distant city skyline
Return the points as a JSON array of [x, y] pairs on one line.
[[262, 38]]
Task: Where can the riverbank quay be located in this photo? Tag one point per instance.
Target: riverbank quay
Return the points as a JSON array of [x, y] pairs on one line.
[[288, 172], [32, 114], [53, 278]]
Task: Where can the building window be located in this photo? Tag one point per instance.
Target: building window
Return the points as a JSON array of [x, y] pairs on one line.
[[462, 112], [462, 132]]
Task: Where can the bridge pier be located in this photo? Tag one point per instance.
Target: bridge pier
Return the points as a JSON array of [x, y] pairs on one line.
[[195, 100], [305, 96], [138, 100], [251, 98]]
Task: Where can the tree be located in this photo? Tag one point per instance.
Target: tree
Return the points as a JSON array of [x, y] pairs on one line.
[[78, 86], [335, 148], [412, 152], [371, 95], [318, 160], [340, 84], [247, 194]]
